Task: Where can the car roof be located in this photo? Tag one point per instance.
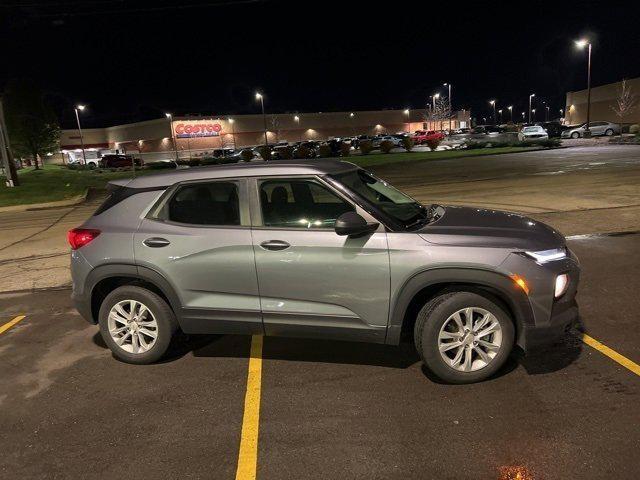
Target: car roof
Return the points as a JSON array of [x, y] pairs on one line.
[[248, 169]]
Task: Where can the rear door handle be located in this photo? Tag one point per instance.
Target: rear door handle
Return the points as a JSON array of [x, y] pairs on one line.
[[156, 242], [274, 245]]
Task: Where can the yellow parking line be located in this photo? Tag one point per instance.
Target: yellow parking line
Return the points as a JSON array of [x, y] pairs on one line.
[[612, 354], [11, 323], [248, 455]]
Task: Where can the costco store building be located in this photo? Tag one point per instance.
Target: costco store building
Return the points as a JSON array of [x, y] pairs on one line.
[[193, 136]]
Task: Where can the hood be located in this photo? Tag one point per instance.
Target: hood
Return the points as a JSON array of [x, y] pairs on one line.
[[467, 226]]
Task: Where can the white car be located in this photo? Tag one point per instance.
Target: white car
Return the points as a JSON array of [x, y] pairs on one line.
[[534, 132]]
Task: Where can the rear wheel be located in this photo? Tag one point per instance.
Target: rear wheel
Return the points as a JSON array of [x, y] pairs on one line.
[[575, 135], [136, 324], [463, 337], [608, 132]]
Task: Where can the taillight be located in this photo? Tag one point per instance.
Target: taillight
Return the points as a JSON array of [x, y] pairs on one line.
[[79, 237]]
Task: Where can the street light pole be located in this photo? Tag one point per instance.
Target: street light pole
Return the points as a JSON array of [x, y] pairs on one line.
[[581, 44], [493, 104], [434, 97], [500, 112], [533, 110], [84, 157], [296, 119], [407, 112], [173, 137], [233, 133], [530, 98], [450, 105], [264, 117], [510, 107]]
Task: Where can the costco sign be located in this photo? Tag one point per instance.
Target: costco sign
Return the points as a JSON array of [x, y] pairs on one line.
[[197, 129]]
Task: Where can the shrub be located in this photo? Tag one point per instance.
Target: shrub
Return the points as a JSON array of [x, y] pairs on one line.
[[286, 153], [407, 143], [345, 149], [635, 129], [433, 143], [325, 151], [302, 152], [546, 143], [386, 146], [246, 155], [193, 162], [366, 146], [265, 152], [160, 165]]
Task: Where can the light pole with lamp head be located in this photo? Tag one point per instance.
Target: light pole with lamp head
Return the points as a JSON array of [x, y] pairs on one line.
[[173, 137], [493, 104], [581, 44], [233, 133], [407, 112], [530, 98], [296, 119], [500, 112], [450, 105], [260, 97], [84, 157], [533, 111], [510, 108]]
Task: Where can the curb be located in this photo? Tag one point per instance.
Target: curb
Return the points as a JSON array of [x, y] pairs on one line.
[[41, 206]]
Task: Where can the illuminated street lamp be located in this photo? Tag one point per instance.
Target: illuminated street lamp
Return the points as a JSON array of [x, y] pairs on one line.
[[500, 112], [450, 105], [533, 111], [407, 112], [260, 97], [296, 119], [80, 108], [523, 116], [530, 98], [581, 44], [493, 104], [510, 108], [173, 137]]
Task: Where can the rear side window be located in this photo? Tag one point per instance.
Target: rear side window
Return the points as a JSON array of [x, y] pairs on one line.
[[214, 203]]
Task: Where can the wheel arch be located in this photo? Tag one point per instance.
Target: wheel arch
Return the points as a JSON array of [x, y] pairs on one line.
[[425, 285], [106, 278]]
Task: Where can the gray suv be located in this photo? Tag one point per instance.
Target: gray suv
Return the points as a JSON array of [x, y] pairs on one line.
[[318, 249]]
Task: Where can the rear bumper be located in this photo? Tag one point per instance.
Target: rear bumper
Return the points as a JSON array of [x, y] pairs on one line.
[[83, 305]]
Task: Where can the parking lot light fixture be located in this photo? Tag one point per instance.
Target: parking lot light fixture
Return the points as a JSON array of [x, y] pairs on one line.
[[510, 108], [450, 104], [233, 131], [500, 112], [407, 112], [81, 109], [530, 99], [296, 119], [493, 104], [260, 97], [173, 137], [581, 44], [533, 111]]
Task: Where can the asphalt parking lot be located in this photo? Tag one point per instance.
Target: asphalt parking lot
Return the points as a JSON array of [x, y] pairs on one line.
[[326, 409]]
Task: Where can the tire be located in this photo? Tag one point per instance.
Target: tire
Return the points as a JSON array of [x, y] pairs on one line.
[[132, 349], [575, 135], [436, 318], [608, 132]]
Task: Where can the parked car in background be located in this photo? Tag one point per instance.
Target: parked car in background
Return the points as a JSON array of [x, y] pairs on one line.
[[461, 131], [554, 129], [395, 139], [596, 128], [312, 148], [118, 161], [421, 137], [534, 132]]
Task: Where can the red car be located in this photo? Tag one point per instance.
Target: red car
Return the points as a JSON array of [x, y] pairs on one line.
[[422, 136], [117, 161]]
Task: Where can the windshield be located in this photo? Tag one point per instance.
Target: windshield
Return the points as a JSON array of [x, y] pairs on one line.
[[402, 208]]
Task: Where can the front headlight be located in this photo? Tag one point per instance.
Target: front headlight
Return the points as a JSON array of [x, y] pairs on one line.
[[544, 256], [562, 282]]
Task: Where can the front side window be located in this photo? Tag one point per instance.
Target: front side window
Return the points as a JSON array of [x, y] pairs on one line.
[[214, 203], [300, 203], [404, 209]]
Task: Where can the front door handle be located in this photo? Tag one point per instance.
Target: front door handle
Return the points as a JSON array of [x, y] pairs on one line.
[[274, 245], [156, 242]]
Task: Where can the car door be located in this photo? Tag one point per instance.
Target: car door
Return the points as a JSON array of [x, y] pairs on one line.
[[198, 237], [312, 281], [597, 128]]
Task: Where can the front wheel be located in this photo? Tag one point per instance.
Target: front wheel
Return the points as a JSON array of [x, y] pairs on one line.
[[575, 135], [609, 132], [463, 337], [136, 324]]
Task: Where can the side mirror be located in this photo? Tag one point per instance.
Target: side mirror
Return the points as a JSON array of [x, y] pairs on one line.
[[353, 225]]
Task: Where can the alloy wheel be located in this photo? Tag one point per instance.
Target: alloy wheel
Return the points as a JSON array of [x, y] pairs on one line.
[[132, 326], [470, 339]]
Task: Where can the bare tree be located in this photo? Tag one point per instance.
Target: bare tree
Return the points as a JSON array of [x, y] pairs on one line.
[[626, 101], [440, 111]]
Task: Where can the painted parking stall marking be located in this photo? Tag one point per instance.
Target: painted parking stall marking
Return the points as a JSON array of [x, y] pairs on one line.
[[248, 454], [612, 354], [11, 323]]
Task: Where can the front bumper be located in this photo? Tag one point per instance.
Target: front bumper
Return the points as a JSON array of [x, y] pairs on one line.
[[533, 337]]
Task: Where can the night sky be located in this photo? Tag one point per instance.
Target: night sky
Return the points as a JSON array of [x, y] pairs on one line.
[[131, 61]]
